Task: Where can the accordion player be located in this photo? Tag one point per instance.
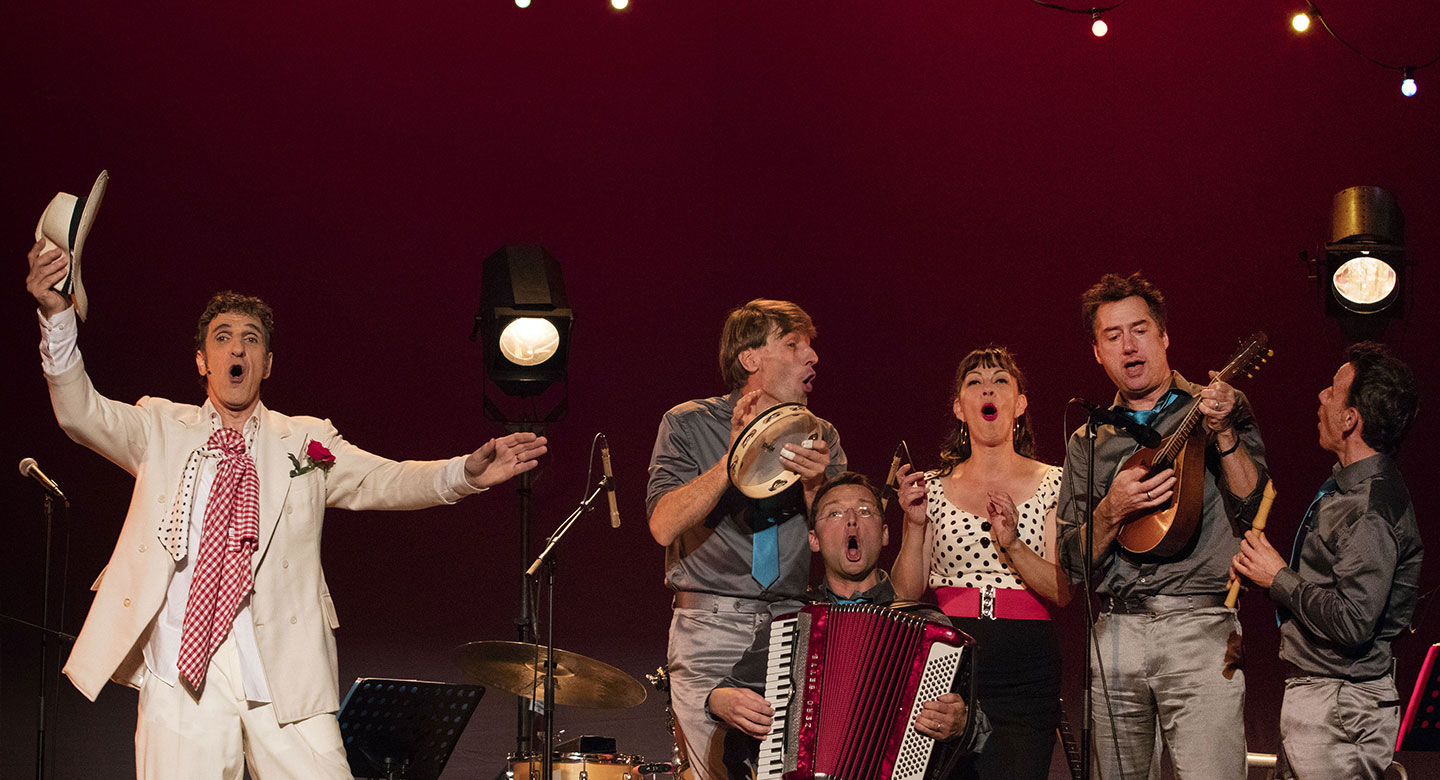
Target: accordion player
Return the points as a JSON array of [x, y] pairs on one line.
[[847, 682]]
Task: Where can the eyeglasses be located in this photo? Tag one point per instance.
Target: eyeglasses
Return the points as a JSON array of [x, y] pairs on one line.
[[861, 513]]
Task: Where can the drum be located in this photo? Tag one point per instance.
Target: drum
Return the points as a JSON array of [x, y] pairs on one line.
[[755, 464], [576, 766]]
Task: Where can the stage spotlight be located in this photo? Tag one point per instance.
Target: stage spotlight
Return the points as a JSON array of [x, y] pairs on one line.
[[1098, 27], [525, 320], [1407, 83], [1300, 21], [1364, 269]]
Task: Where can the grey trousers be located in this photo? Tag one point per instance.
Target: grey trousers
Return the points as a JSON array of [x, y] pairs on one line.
[[1167, 669], [1335, 728], [704, 646]]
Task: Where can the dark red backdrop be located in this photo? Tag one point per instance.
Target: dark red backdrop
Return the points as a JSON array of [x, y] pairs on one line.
[[922, 177]]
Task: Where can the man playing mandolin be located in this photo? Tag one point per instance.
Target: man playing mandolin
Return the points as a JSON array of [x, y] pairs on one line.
[[1167, 645]]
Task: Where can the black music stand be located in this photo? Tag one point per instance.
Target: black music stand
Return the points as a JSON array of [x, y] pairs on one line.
[[1420, 730], [404, 729]]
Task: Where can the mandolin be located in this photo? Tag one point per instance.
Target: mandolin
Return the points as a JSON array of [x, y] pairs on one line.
[[1168, 529]]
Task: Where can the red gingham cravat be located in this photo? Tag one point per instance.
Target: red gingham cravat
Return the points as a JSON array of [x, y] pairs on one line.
[[222, 576]]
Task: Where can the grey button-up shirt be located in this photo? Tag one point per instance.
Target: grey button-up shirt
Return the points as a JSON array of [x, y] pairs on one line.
[[714, 556], [1204, 567], [1358, 572]]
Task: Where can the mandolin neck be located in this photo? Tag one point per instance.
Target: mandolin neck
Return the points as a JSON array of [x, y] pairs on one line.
[[1176, 443]]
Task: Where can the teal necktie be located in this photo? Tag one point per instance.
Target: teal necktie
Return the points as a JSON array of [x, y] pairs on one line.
[[1326, 489], [765, 554], [1144, 416]]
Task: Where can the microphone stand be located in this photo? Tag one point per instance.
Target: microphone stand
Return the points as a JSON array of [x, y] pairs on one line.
[[45, 631], [1088, 721], [547, 559]]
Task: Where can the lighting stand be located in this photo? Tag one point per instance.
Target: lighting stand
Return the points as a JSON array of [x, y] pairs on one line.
[[527, 420]]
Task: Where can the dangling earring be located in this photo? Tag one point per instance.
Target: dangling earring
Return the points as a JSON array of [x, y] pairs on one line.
[[964, 434], [1018, 427]]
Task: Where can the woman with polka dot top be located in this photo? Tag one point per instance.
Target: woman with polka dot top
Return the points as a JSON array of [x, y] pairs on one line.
[[980, 531]]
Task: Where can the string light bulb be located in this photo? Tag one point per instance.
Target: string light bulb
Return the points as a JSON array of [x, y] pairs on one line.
[[522, 3], [1098, 27], [1407, 84], [1300, 21], [619, 5]]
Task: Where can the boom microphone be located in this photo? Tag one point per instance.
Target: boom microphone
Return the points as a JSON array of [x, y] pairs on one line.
[[1148, 437], [29, 468], [609, 480]]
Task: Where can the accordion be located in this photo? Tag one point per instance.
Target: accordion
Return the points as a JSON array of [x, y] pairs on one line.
[[847, 682]]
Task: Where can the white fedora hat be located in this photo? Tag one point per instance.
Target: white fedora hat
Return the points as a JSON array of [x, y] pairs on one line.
[[65, 224]]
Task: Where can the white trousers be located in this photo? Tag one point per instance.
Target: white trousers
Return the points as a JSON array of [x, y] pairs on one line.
[[179, 738]]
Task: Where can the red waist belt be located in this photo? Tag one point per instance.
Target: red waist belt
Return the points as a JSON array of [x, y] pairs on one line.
[[991, 602]]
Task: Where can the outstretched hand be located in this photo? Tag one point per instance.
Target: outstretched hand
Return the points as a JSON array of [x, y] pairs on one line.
[[500, 459], [46, 271]]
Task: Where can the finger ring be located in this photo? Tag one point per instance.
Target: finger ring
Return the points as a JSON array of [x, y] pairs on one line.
[[1147, 495]]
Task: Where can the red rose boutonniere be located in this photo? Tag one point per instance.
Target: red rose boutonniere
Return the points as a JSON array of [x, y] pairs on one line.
[[316, 457]]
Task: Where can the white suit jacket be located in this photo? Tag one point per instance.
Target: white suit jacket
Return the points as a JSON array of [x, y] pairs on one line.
[[294, 616]]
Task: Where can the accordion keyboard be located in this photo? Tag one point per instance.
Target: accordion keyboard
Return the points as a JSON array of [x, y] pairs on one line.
[[778, 687]]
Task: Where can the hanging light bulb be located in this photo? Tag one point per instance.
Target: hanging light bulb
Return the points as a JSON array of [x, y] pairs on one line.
[[1301, 21], [1407, 84], [1098, 27], [619, 5], [522, 3]]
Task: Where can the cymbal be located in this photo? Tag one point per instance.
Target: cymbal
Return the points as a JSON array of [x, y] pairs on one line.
[[518, 667]]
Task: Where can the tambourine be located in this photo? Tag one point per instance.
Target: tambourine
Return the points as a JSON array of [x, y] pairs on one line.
[[756, 466]]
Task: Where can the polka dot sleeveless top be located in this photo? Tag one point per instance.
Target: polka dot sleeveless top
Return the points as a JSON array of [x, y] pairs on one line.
[[964, 556]]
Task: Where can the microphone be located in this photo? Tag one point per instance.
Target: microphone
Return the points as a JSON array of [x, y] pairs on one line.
[[609, 480], [1147, 437], [29, 468]]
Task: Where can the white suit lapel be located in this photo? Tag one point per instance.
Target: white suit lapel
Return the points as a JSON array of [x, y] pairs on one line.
[[274, 444]]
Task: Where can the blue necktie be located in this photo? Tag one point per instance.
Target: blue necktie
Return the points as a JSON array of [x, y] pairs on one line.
[[765, 553], [1328, 487]]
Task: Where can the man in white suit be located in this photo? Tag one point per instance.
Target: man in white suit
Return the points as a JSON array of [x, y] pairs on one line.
[[214, 604]]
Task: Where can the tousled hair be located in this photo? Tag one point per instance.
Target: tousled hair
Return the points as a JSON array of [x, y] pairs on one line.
[[749, 326], [228, 301], [1385, 394], [1114, 287]]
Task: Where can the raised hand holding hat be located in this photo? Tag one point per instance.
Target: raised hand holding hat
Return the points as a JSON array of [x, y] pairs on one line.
[[65, 224]]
